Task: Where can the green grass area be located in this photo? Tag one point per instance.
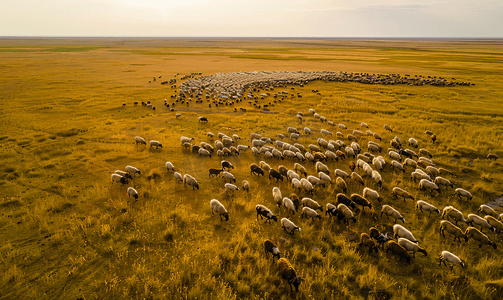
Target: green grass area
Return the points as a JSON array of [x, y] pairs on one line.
[[70, 233]]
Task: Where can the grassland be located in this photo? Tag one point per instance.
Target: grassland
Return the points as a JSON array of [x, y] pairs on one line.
[[67, 232]]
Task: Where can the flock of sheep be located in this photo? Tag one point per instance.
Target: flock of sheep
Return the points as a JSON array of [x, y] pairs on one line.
[[326, 155]]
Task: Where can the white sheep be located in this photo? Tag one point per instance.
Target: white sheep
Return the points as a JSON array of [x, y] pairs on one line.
[[474, 233], [296, 184], [400, 231], [342, 126], [255, 151], [357, 178], [321, 167], [463, 193], [456, 215], [323, 177], [209, 134], [371, 194], [119, 179], [448, 256], [377, 178], [258, 143], [185, 139], [246, 186], [410, 246], [289, 225], [307, 130], [311, 203], [178, 176], [387, 127], [300, 156], [132, 193], [413, 142], [309, 156], [432, 170], [348, 214], [289, 205], [123, 174], [486, 209], [264, 166], [396, 165], [276, 194], [228, 176], [425, 206], [309, 213], [265, 212], [155, 144], [330, 155], [139, 140], [495, 223], [291, 175], [217, 207], [443, 181], [169, 166], [396, 192], [394, 155], [294, 136], [477, 220], [255, 136], [187, 179], [391, 212], [326, 132], [132, 170], [231, 187], [204, 152], [425, 184], [306, 185], [409, 162]]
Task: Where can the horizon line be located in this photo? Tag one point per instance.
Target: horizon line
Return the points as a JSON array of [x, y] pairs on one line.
[[238, 37]]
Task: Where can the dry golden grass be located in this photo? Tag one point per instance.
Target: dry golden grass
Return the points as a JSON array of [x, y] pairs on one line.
[[69, 233]]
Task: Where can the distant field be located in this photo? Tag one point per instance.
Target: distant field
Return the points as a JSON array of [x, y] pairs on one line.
[[69, 233]]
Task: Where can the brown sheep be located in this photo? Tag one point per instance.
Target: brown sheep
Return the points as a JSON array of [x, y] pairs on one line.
[[366, 241], [398, 250], [288, 273]]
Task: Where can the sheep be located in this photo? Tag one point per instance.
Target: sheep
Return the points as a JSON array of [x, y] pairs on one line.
[[330, 155], [371, 194], [486, 209], [396, 165], [271, 247], [492, 156], [226, 165], [401, 192], [289, 225], [348, 214], [300, 147], [294, 136], [364, 158], [309, 213], [204, 152], [495, 223], [139, 140], [341, 198], [410, 246], [209, 134], [311, 204], [323, 143], [425, 152], [341, 184], [472, 232], [296, 184], [340, 154], [287, 272], [463, 193], [132, 170], [391, 212], [315, 181], [187, 179], [289, 205], [254, 169], [373, 148], [341, 173], [452, 229], [443, 181], [448, 256], [425, 184], [413, 142], [306, 186], [255, 136], [377, 136], [395, 155], [350, 152], [320, 167], [387, 127], [366, 241], [214, 172], [325, 132], [323, 177], [246, 186], [217, 207], [357, 133], [277, 154], [292, 130], [334, 212], [231, 187], [228, 176], [185, 139], [265, 212], [357, 178], [398, 250], [169, 166], [377, 178], [155, 144], [178, 176], [275, 174], [342, 126], [425, 206], [364, 125], [132, 193], [276, 194], [119, 179], [400, 231], [361, 201], [319, 156], [473, 218], [123, 174], [289, 154], [409, 153], [356, 148], [258, 143], [378, 164], [283, 170], [409, 162], [308, 156], [453, 213], [432, 170]]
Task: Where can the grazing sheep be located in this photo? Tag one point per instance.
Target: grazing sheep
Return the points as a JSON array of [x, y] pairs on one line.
[[472, 232], [265, 212], [391, 212], [352, 166], [358, 133], [387, 127], [495, 223], [296, 184], [226, 165], [486, 209], [410, 246], [246, 186], [204, 152], [323, 177], [366, 241], [306, 185], [289, 205], [334, 212], [313, 148], [492, 156], [325, 132], [119, 179], [276, 194], [463, 193], [448, 256], [443, 181], [453, 213], [395, 155], [214, 172], [311, 204], [400, 231], [169, 166], [377, 162], [123, 174], [255, 136], [289, 154], [396, 165], [396, 192], [291, 175], [275, 174], [350, 152], [341, 198], [341, 184], [132, 170], [272, 248], [315, 181], [289, 225], [283, 170], [257, 143], [292, 130], [209, 134], [361, 201], [309, 213], [217, 207], [452, 229], [473, 218], [377, 136], [185, 139], [132, 193], [288, 273], [178, 176], [432, 170], [341, 173], [381, 238], [425, 206], [409, 162], [413, 142], [348, 214], [294, 136], [277, 154], [231, 187], [377, 178], [399, 251], [425, 152], [364, 158], [307, 130], [357, 178], [425, 184], [256, 170], [330, 155], [187, 179], [139, 140], [342, 126], [228, 176], [320, 167], [155, 144], [371, 194]]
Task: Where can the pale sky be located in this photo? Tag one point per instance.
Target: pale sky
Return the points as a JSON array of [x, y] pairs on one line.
[[253, 18]]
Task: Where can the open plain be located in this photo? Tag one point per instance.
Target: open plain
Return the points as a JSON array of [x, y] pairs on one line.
[[68, 121]]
